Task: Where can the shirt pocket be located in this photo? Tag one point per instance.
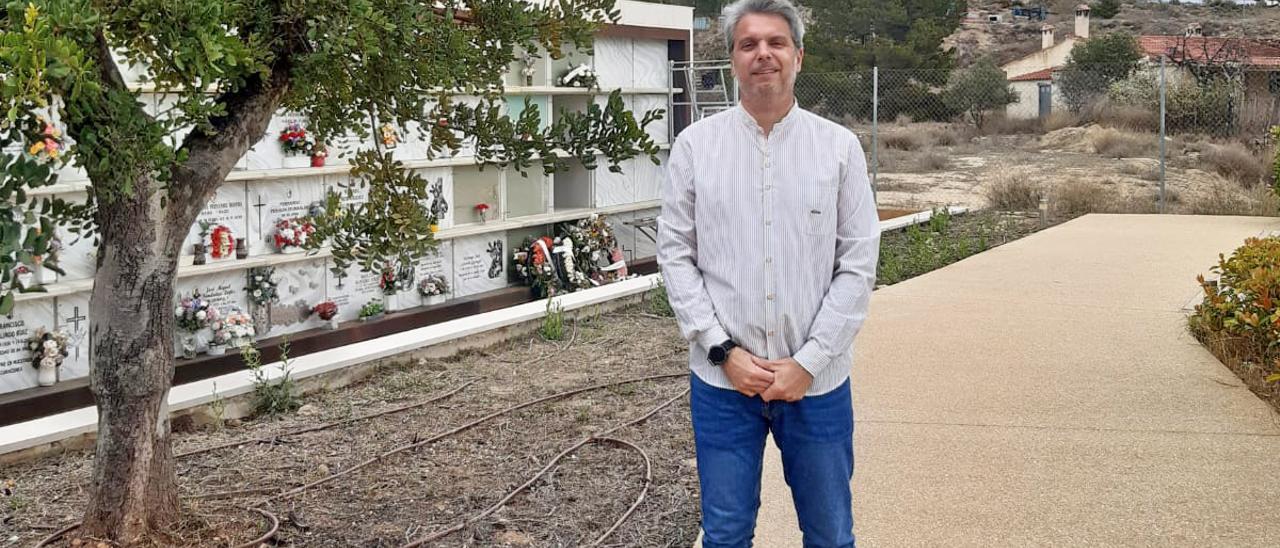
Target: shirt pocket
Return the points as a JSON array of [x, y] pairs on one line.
[[820, 210]]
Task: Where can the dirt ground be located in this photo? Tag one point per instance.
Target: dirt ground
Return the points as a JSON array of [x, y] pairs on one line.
[[957, 175], [409, 495]]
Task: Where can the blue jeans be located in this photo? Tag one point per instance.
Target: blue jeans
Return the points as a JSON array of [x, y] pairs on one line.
[[815, 436]]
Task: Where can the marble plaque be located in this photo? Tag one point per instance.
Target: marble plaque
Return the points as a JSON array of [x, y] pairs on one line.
[[222, 290], [615, 188], [300, 286], [79, 254], [650, 66], [271, 201], [657, 129], [267, 153], [229, 207], [350, 289], [479, 264], [16, 371], [614, 62], [438, 262], [165, 106], [440, 185], [73, 319], [649, 178], [413, 144]]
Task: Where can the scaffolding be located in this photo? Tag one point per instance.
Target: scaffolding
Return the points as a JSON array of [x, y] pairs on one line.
[[707, 87]]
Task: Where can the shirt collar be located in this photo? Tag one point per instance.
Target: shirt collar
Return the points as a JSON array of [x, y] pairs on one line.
[[750, 122]]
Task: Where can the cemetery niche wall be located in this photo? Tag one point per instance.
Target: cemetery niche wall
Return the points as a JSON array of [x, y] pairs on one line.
[[242, 276]]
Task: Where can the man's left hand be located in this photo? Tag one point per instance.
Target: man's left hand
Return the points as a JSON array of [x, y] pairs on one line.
[[790, 381]]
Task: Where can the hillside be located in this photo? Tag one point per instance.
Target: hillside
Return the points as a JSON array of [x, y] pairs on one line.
[[1014, 38]]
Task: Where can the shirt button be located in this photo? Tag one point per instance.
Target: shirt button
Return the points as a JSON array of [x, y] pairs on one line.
[[768, 260], [770, 296], [768, 223]]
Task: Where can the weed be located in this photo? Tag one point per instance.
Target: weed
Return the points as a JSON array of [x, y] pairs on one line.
[[658, 302], [553, 328], [272, 398]]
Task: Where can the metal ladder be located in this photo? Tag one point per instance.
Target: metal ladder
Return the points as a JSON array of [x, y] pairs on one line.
[[709, 86]]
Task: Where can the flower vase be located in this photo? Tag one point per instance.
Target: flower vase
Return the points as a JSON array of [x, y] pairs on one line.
[[198, 249], [242, 250], [27, 279], [331, 323], [188, 342], [433, 300], [44, 276], [47, 374], [528, 80], [317, 161], [262, 319], [217, 349], [291, 250], [296, 160], [391, 303]]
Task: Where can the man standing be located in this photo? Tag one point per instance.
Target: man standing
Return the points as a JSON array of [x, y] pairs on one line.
[[768, 241]]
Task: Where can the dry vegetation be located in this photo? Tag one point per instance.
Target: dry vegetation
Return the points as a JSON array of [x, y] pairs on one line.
[[432, 487], [1078, 165]]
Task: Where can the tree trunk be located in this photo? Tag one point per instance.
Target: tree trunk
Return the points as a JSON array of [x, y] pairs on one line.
[[131, 314]]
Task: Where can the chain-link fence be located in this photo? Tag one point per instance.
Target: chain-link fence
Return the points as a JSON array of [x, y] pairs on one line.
[[1136, 138]]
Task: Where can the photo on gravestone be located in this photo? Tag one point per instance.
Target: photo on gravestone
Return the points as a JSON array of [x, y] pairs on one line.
[[440, 187], [224, 291], [73, 319], [350, 289], [300, 286], [480, 264], [16, 369], [273, 201], [228, 208]]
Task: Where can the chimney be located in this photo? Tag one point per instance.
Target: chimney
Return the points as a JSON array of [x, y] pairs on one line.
[[1046, 36], [1194, 29], [1082, 21]]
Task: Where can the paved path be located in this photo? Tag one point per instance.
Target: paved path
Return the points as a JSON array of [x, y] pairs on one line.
[[1047, 393]]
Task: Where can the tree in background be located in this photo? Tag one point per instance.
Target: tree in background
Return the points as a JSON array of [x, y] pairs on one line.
[[231, 65], [978, 90], [851, 36], [1105, 9], [1094, 65]]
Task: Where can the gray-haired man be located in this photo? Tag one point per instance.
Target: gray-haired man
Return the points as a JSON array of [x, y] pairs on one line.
[[768, 241]]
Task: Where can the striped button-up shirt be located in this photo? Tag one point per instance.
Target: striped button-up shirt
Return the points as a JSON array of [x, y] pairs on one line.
[[770, 241]]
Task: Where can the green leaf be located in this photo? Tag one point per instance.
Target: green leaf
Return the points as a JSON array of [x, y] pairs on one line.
[[6, 303]]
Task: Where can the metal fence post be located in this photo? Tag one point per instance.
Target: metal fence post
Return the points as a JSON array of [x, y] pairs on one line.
[[1162, 134], [875, 127]]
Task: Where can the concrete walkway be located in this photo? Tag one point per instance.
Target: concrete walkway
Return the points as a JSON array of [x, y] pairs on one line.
[[1047, 393]]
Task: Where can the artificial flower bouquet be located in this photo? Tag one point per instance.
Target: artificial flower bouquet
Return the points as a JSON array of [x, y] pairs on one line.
[[48, 350], [292, 234]]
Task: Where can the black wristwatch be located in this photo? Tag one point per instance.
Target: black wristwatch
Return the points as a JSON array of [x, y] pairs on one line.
[[720, 353]]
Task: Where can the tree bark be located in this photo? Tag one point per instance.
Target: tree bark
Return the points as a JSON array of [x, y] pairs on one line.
[[131, 317], [135, 493]]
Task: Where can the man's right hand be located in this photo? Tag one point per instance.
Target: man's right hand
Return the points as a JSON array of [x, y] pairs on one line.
[[746, 377]]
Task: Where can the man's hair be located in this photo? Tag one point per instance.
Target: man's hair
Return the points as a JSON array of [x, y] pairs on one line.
[[784, 8]]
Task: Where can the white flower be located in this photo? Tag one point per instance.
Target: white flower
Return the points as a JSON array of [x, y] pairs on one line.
[[51, 345], [177, 311], [257, 279], [48, 362], [257, 293], [201, 315]]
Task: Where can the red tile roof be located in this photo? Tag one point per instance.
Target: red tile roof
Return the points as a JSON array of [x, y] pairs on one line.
[[1212, 48], [1039, 75]]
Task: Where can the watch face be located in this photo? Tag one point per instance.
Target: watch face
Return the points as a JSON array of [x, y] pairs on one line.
[[717, 355]]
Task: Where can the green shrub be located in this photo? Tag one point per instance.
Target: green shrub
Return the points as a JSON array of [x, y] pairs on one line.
[[1241, 305], [659, 304]]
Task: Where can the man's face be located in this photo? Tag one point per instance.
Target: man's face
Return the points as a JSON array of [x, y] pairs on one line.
[[765, 59]]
